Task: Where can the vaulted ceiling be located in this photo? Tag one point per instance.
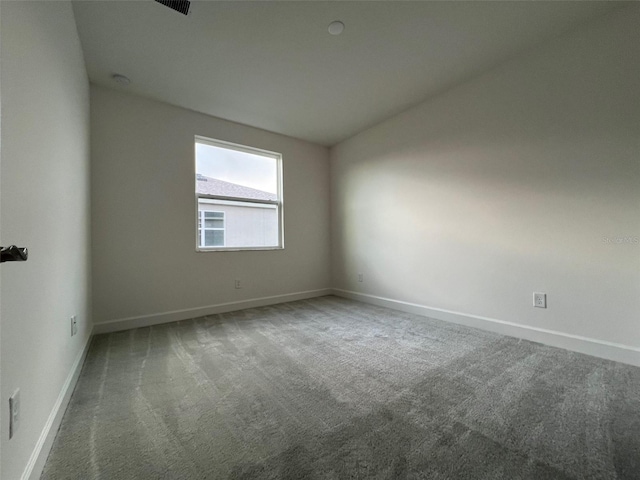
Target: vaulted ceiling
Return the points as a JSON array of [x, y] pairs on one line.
[[273, 64]]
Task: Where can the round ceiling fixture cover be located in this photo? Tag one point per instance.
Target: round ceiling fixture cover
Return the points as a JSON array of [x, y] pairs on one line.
[[336, 28]]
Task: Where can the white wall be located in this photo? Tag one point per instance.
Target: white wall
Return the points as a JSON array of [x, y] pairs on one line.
[[506, 185], [45, 207], [143, 213]]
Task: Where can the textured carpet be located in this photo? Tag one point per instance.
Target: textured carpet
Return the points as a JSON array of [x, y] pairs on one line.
[[334, 389]]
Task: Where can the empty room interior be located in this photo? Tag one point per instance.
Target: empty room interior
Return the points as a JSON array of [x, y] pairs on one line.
[[319, 240]]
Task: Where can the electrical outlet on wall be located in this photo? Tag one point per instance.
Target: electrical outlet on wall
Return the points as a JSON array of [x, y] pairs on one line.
[[238, 284], [74, 325], [360, 277], [539, 300], [14, 413]]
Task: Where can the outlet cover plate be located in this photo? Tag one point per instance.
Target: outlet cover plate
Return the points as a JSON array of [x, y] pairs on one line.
[[14, 413], [540, 300], [74, 325]]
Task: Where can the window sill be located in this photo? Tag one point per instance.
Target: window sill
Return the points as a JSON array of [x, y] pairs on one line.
[[235, 249]]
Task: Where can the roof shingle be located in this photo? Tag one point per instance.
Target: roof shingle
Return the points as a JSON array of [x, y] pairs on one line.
[[213, 186]]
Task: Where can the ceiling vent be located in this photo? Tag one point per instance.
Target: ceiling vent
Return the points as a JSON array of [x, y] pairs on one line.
[[181, 6]]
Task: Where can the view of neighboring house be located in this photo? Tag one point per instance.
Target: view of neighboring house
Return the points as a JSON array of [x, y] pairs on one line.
[[232, 215]]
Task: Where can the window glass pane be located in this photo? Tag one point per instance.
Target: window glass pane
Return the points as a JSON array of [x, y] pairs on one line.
[[215, 223], [224, 171], [238, 190], [246, 224], [214, 238]]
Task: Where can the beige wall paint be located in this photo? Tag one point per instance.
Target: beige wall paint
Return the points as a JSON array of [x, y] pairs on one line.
[[45, 207], [506, 185], [144, 258]]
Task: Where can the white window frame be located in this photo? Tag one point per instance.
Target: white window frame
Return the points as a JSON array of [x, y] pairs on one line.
[[201, 224], [279, 202]]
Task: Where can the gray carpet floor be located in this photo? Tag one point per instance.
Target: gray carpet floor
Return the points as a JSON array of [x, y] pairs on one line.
[[333, 389]]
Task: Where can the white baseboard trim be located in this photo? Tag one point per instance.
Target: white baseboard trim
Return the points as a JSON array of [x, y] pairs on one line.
[[40, 453], [576, 343], [187, 313]]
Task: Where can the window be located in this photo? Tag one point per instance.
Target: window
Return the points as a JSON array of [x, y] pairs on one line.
[[238, 195], [210, 228]]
